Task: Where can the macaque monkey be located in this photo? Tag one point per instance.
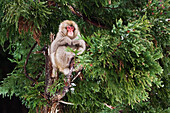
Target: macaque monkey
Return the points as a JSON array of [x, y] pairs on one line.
[[68, 36]]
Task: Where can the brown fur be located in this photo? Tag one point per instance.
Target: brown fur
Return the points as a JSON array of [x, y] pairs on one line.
[[59, 56]]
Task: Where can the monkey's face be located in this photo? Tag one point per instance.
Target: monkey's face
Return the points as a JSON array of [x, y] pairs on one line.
[[69, 28], [70, 31]]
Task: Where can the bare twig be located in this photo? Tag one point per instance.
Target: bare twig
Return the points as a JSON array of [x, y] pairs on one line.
[[109, 106], [26, 62], [68, 103], [75, 76]]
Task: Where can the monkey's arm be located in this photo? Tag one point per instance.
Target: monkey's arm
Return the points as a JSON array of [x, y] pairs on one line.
[[60, 42], [80, 44]]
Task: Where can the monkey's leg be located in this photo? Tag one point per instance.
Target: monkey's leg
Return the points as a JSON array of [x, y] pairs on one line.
[[54, 73], [54, 70], [69, 57]]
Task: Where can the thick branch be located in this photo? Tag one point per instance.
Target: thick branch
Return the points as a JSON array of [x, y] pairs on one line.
[[85, 18], [48, 80], [62, 93], [26, 62]]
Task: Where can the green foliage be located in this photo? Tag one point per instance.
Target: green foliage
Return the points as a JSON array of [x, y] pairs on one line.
[[126, 63], [56, 86], [126, 73]]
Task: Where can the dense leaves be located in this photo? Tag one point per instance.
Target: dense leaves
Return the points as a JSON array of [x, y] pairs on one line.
[[125, 65]]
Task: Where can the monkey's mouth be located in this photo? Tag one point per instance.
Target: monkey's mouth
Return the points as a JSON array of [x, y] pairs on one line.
[[70, 33]]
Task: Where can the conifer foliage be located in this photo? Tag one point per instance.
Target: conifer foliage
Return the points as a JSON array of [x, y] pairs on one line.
[[125, 65]]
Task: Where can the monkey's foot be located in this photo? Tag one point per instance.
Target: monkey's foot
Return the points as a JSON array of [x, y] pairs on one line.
[[66, 71], [53, 75]]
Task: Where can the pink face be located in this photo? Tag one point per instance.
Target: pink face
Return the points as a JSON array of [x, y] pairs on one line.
[[70, 30]]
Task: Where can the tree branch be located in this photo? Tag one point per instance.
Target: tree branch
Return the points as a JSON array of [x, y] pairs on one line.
[[48, 80], [26, 62], [68, 103], [109, 106], [85, 18], [76, 76], [62, 93]]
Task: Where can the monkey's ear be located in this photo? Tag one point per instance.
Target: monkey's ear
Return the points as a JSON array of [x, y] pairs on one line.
[[62, 26]]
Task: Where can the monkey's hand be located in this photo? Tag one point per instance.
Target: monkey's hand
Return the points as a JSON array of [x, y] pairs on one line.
[[76, 43], [80, 44], [65, 41]]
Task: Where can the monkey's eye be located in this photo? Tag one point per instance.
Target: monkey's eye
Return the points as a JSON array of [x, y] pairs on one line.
[[70, 28]]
